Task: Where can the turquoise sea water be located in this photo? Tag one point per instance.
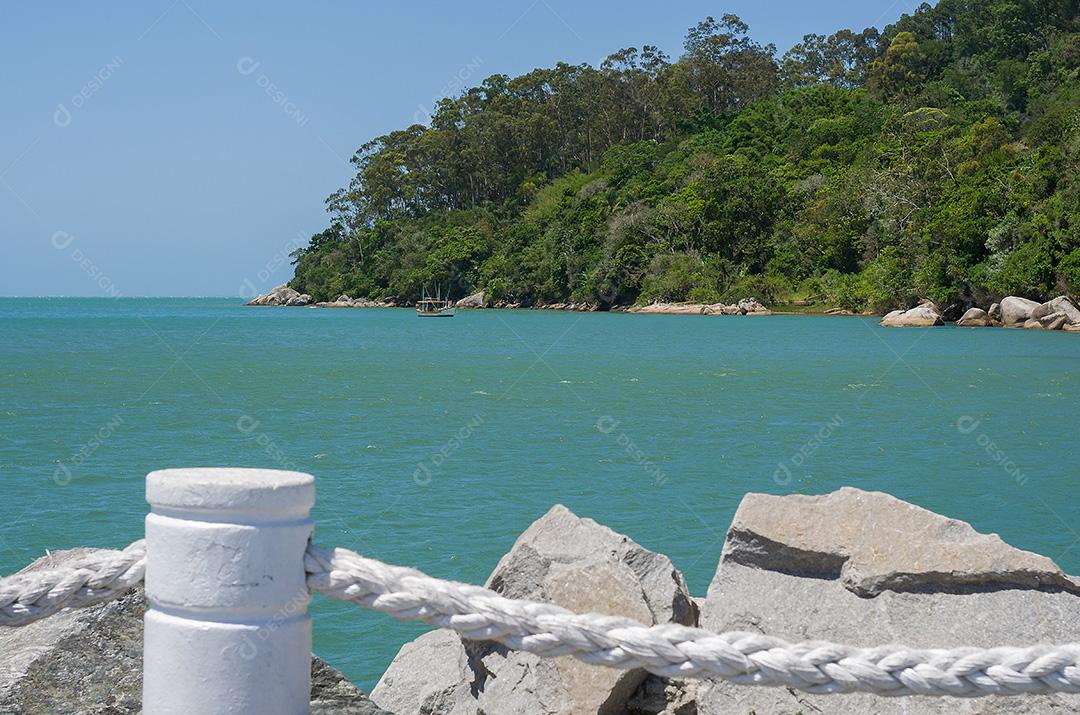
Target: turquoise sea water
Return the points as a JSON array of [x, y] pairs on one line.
[[653, 425]]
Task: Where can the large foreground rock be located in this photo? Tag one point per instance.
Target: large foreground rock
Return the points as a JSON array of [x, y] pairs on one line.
[[1015, 311], [921, 316], [561, 559], [867, 569], [89, 661]]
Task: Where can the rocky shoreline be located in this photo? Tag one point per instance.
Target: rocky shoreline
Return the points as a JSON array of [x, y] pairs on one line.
[[1012, 312], [855, 567], [1057, 314], [284, 296]]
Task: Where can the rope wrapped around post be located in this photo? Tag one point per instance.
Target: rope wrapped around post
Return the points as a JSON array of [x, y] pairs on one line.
[[681, 652], [547, 630], [95, 578]]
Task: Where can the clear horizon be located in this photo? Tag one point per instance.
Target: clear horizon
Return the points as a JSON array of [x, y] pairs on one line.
[[179, 149]]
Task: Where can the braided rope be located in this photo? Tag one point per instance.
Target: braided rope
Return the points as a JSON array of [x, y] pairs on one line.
[[678, 651], [547, 630], [94, 578]]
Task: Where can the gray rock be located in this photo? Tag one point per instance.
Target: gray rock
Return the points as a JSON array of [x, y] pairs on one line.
[[891, 317], [921, 316], [281, 295], [851, 536], [300, 299], [994, 312], [476, 300], [428, 675], [867, 569], [1062, 305], [561, 559], [89, 661], [748, 306], [1014, 311], [664, 696], [1054, 321], [974, 318]]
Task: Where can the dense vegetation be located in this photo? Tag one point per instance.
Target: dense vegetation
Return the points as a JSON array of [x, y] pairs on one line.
[[937, 158]]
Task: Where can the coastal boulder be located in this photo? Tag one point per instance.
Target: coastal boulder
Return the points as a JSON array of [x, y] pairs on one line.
[[89, 661], [1015, 311], [994, 312], [300, 299], [924, 315], [750, 306], [281, 295], [476, 300], [1062, 305], [974, 318], [1053, 321], [562, 559], [865, 568]]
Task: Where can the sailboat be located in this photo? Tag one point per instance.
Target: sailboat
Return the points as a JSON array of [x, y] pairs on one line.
[[436, 307]]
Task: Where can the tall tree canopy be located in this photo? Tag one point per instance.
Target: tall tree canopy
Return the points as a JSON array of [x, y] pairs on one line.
[[935, 158]]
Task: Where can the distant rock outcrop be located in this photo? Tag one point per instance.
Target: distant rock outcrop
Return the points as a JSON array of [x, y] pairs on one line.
[[974, 318], [476, 300], [1015, 311], [746, 306], [921, 316], [1062, 305], [283, 295]]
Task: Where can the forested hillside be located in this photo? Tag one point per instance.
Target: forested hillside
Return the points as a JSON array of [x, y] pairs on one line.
[[937, 158]]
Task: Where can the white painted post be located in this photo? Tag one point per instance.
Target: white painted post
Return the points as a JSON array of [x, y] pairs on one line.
[[227, 630]]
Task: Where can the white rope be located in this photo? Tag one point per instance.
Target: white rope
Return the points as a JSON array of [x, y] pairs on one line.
[[547, 630], [678, 651], [94, 578]]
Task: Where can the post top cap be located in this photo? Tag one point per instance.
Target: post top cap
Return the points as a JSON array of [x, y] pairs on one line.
[[232, 489]]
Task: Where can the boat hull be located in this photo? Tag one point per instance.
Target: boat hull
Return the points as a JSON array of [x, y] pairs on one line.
[[444, 313]]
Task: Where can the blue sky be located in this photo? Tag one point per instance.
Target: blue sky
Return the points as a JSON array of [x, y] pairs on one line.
[[181, 147]]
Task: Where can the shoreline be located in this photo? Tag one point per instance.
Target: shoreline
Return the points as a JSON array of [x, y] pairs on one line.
[[1057, 314]]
